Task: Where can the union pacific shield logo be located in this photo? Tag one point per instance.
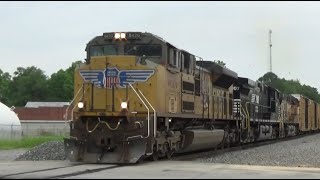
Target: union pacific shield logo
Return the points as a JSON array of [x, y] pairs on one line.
[[113, 76]]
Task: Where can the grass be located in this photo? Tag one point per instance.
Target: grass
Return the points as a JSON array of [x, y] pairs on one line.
[[26, 142]]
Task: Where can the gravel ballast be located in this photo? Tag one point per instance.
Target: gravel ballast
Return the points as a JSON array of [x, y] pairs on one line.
[[52, 150], [301, 152]]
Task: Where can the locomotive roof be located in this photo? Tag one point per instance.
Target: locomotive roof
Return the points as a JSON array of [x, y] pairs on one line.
[[222, 76], [247, 81], [110, 36], [217, 69], [298, 96], [142, 35], [291, 98], [127, 32]]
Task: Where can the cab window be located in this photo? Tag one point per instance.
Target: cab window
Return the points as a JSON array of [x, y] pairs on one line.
[[173, 57], [142, 50], [152, 53], [103, 50], [188, 63]]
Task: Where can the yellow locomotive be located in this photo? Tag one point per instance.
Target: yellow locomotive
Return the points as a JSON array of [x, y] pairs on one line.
[[138, 96]]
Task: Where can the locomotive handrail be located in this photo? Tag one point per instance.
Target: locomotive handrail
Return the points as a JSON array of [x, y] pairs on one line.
[[74, 98], [246, 106], [75, 106], [246, 116], [154, 115], [148, 115], [66, 116], [245, 110], [80, 98]]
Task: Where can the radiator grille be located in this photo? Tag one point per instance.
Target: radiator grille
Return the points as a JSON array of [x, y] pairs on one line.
[[188, 105], [187, 86]]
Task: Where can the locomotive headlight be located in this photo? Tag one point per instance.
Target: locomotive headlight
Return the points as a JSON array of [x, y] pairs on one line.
[[123, 35], [124, 105], [80, 105], [117, 35]]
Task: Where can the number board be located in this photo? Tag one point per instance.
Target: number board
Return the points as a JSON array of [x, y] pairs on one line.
[[108, 35], [130, 35], [133, 35]]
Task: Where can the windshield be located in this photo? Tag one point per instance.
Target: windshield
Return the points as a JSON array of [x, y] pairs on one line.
[[143, 50], [103, 50], [150, 53]]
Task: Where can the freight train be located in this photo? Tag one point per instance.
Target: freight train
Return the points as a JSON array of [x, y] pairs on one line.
[[138, 96]]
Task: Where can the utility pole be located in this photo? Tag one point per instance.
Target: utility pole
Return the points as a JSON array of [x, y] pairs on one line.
[[270, 44]]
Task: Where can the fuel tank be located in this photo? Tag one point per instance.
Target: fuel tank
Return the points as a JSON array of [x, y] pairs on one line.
[[200, 139]]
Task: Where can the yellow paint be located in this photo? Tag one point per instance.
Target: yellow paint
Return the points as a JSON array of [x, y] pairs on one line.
[[163, 90]]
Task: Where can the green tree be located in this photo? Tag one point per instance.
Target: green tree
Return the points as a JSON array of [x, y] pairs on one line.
[[290, 86], [28, 84], [61, 84], [72, 68], [268, 78], [5, 80]]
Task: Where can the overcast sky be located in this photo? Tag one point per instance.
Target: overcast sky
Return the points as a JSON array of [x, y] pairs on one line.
[[52, 35]]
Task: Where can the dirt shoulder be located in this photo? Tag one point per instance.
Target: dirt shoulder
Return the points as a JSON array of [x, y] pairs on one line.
[[12, 154]]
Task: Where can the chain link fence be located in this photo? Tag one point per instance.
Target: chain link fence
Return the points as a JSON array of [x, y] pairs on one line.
[[34, 128], [10, 131]]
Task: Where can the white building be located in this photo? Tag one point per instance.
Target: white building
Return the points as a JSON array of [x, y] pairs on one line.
[[10, 127]]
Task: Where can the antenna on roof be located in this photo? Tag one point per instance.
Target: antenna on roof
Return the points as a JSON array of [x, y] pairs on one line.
[[270, 44]]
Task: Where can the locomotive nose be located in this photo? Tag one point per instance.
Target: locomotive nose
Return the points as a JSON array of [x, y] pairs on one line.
[[114, 113]]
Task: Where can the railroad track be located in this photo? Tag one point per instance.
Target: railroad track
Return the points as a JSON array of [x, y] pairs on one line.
[[60, 172], [205, 153], [88, 171], [71, 170]]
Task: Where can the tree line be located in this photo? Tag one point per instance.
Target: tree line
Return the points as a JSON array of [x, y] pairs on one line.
[[286, 86], [31, 84], [290, 86]]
